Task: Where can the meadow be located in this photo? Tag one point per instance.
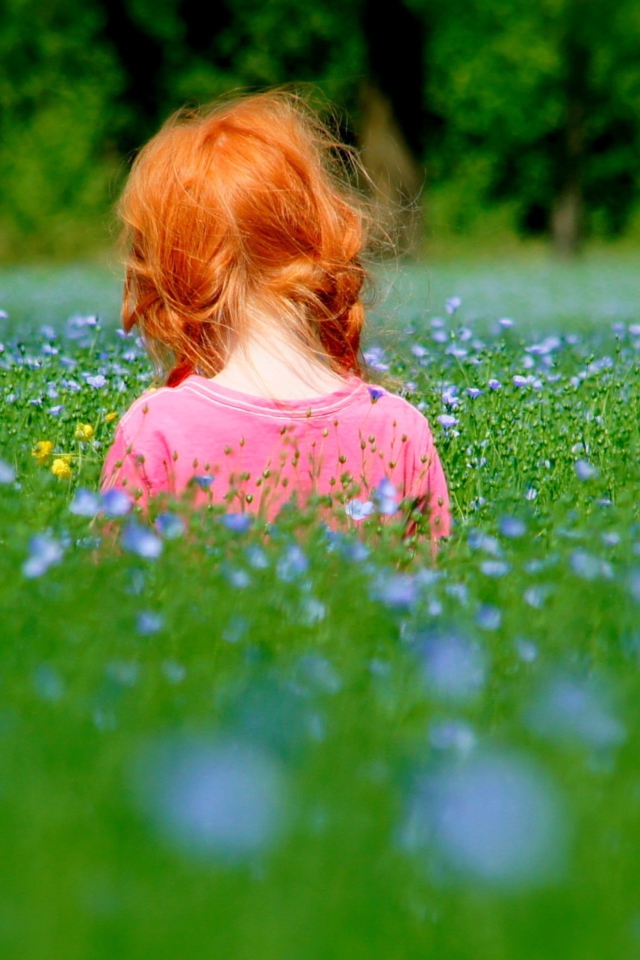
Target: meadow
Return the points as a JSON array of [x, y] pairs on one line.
[[222, 739]]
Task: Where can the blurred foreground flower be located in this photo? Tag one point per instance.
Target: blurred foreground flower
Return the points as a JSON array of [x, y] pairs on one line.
[[7, 473], [61, 468], [42, 451], [398, 591], [585, 470], [84, 432], [138, 539], [236, 522], [292, 564], [386, 497], [148, 622], [452, 304], [359, 510], [115, 503], [170, 526], [85, 504], [494, 818], [454, 667], [221, 800], [44, 551], [576, 711]]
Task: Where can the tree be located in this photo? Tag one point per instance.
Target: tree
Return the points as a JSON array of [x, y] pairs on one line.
[[540, 102], [57, 159]]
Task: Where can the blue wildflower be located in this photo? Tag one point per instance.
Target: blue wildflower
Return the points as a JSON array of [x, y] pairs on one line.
[[218, 800], [495, 568], [7, 473], [44, 551], [169, 526], [386, 497], [173, 671], [512, 527], [488, 617], [256, 557], [359, 510], [447, 421], [292, 564], [348, 547], [48, 683], [573, 710], [237, 522], [140, 540], [456, 735], [375, 359], [115, 503], [450, 396], [526, 650], [452, 304], [148, 623], [454, 667], [585, 470], [493, 817], [398, 591], [85, 504], [204, 481], [236, 576]]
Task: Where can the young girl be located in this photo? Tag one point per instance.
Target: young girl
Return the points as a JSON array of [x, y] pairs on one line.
[[244, 278]]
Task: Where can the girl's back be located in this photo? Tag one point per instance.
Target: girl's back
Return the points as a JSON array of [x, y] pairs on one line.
[[244, 276], [253, 453]]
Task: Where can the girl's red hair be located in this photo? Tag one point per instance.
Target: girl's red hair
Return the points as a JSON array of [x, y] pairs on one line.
[[240, 211]]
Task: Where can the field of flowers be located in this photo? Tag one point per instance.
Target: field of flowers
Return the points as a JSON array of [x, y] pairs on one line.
[[219, 739]]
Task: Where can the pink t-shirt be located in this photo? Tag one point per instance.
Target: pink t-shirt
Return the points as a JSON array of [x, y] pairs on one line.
[[253, 453]]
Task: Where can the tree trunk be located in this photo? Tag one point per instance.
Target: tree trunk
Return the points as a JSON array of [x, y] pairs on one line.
[[395, 176], [567, 220], [567, 213]]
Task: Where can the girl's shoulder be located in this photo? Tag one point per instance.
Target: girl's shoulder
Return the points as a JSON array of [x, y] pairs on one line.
[[154, 402], [386, 403]]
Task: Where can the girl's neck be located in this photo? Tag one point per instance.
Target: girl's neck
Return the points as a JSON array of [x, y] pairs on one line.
[[279, 369]]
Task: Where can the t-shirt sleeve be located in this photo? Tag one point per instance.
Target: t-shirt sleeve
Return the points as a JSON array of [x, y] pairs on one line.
[[427, 484], [124, 470], [135, 458]]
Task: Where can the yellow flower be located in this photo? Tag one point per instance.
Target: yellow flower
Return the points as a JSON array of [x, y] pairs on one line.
[[111, 416], [42, 451], [61, 468], [84, 432]]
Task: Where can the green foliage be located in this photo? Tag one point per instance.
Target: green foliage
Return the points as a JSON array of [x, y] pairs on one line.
[[282, 664], [519, 101], [506, 79], [57, 166]]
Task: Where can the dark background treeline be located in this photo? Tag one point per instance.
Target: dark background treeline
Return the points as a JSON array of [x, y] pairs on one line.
[[530, 107]]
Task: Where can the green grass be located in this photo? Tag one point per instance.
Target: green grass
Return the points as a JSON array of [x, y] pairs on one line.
[[267, 744]]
